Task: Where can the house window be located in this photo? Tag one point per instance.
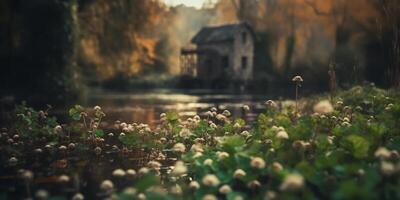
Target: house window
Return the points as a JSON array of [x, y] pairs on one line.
[[244, 63], [244, 37]]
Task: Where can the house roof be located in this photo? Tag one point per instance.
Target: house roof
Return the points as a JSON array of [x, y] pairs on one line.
[[225, 32]]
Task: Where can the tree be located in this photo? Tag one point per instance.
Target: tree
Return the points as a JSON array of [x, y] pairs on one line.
[[391, 11]]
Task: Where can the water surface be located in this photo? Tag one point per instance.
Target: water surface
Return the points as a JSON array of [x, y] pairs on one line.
[[146, 106]]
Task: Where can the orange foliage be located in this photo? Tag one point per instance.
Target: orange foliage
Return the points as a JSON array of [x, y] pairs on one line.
[[312, 23]]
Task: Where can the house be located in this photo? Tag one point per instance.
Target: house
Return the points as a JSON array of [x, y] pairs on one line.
[[222, 53]]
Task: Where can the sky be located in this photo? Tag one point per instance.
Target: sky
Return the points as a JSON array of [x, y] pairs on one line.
[[193, 3]]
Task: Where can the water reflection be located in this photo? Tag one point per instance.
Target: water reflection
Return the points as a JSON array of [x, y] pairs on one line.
[[145, 107]]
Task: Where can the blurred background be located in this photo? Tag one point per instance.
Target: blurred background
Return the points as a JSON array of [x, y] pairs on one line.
[[125, 54]]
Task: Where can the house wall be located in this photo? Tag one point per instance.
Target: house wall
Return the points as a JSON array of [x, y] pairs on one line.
[[235, 50], [215, 52], [243, 49]]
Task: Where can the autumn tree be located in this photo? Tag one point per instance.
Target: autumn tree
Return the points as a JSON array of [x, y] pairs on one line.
[[390, 10]]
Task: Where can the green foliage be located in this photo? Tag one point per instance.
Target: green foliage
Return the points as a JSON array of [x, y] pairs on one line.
[[350, 153], [31, 124], [357, 145], [75, 112]]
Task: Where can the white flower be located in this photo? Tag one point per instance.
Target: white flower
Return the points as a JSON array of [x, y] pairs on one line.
[[346, 124], [331, 139], [163, 115], [27, 175], [238, 197], [130, 172], [213, 126], [237, 126], [97, 108], [97, 150], [221, 117], [144, 170], [107, 185], [119, 173], [62, 148], [271, 104], [208, 162], [389, 107], [246, 108], [194, 185], [123, 125], [71, 146], [209, 197], [179, 147], [41, 194], [297, 79], [63, 179], [213, 109], [226, 113], [280, 128], [339, 103], [292, 182], [239, 173], [197, 148], [209, 114], [78, 196], [197, 155], [257, 162], [58, 129], [387, 168], [197, 118], [382, 153], [277, 166], [185, 133], [13, 161], [163, 140], [360, 172], [210, 180], [130, 191], [254, 184], [141, 196], [222, 155], [179, 168], [245, 133], [270, 194], [199, 140], [154, 165], [323, 107], [282, 135], [176, 189], [225, 189]]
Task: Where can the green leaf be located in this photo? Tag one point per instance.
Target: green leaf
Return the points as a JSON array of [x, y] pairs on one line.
[[240, 121], [99, 133], [75, 112], [356, 144], [146, 182], [233, 141], [130, 139], [172, 116]]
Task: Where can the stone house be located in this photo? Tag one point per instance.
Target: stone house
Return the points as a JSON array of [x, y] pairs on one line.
[[222, 53]]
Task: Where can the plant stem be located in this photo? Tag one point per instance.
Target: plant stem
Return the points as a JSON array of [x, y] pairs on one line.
[[297, 94]]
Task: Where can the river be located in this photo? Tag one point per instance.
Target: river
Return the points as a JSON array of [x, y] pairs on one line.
[[146, 106]]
